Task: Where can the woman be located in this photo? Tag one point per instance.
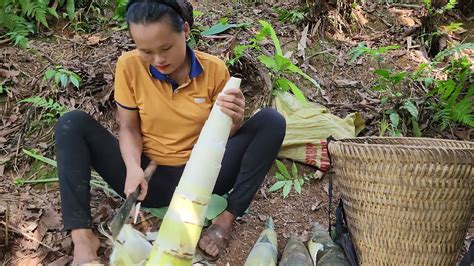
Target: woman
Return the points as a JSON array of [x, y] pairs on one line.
[[164, 93]]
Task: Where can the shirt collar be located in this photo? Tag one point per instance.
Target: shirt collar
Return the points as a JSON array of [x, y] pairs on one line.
[[196, 68]]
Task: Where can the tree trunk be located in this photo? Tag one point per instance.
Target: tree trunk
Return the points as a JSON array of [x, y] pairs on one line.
[[319, 9]]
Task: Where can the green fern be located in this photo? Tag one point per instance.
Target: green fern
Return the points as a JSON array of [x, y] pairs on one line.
[[70, 9], [462, 112], [35, 9], [295, 16], [49, 105], [17, 28], [454, 104], [18, 17]]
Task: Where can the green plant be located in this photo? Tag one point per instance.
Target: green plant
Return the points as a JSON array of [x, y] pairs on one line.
[[3, 88], [406, 109], [454, 95], [399, 109], [278, 64], [119, 13], [441, 10], [430, 34], [453, 27], [450, 98], [217, 204], [18, 17], [62, 76], [222, 26], [287, 180], [96, 180], [295, 16], [53, 108], [361, 50]]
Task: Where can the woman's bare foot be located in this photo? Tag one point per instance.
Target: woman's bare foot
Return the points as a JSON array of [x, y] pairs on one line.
[[86, 245], [210, 243]]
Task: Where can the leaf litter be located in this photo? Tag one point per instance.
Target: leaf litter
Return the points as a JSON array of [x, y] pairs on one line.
[[36, 214]]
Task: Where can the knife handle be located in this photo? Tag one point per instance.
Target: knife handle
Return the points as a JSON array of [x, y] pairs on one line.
[[149, 170]]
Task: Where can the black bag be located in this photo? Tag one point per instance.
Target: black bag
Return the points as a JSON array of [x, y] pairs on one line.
[[469, 257]]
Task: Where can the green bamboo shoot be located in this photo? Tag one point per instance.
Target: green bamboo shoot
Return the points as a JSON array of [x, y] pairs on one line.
[[295, 254], [331, 253], [265, 250], [182, 225]]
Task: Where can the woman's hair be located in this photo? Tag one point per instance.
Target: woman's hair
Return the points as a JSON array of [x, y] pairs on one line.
[[149, 11]]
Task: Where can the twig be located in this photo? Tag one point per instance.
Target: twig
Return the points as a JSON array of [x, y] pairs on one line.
[[322, 52], [102, 58], [218, 36], [18, 147], [404, 5], [4, 41], [78, 43], [351, 106], [7, 218], [13, 229], [47, 57]]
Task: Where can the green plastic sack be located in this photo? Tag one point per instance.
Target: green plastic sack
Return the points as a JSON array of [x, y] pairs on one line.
[[307, 128]]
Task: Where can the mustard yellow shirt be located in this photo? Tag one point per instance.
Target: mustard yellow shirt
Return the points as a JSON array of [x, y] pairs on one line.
[[171, 116]]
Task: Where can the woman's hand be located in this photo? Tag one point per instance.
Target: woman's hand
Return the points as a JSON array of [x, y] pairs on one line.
[[136, 177], [232, 103]]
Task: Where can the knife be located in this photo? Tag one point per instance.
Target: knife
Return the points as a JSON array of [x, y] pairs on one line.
[[122, 215]]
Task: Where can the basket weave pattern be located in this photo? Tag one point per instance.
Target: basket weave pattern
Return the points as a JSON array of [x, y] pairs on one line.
[[408, 201]]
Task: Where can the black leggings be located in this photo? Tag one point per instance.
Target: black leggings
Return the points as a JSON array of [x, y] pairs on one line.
[[82, 142]]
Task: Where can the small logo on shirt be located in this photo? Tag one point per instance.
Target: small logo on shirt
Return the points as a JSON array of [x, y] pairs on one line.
[[199, 100]]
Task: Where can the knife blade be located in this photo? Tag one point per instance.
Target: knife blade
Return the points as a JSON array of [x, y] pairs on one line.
[[122, 215]]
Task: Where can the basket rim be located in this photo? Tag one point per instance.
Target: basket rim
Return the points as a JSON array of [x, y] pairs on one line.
[[346, 141]]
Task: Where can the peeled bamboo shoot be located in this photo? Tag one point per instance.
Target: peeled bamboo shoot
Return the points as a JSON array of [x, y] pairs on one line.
[[265, 250], [182, 225], [295, 254], [131, 248]]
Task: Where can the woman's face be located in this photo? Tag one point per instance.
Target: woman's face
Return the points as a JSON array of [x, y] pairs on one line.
[[160, 45]]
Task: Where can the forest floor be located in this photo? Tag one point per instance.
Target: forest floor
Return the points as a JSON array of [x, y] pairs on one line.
[[32, 212]]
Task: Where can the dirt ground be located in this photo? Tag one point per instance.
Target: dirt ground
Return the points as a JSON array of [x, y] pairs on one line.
[[32, 212]]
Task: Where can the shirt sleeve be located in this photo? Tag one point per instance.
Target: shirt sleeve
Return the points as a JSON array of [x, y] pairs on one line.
[[222, 76], [124, 94]]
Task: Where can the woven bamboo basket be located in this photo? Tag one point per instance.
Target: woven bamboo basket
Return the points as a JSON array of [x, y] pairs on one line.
[[408, 201]]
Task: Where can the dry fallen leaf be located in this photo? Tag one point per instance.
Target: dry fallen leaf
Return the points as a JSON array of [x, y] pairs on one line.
[[66, 244], [51, 219], [406, 21], [318, 174], [61, 261], [43, 145], [95, 39], [302, 44], [341, 83], [316, 206], [262, 217], [8, 73]]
